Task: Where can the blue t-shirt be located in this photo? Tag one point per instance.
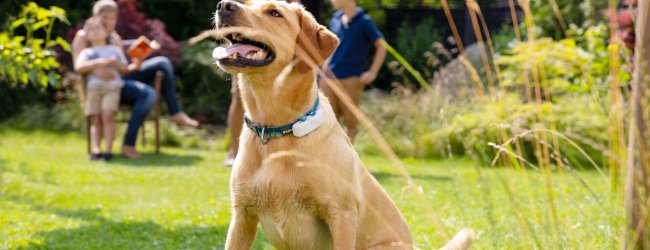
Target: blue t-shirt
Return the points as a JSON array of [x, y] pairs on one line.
[[357, 37]]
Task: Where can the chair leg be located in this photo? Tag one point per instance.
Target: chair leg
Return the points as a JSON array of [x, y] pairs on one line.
[[144, 136], [156, 112], [88, 123], [157, 124]]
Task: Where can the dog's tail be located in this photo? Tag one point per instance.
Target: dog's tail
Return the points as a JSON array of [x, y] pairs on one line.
[[461, 240]]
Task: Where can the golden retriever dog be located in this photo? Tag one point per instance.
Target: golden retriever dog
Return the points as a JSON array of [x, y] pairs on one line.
[[306, 185]]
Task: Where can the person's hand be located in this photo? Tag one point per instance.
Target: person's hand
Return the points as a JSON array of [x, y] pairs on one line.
[[103, 62], [104, 73], [367, 77], [115, 62], [135, 64]]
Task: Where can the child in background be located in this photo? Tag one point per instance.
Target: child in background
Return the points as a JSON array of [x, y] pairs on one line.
[[357, 34], [104, 62]]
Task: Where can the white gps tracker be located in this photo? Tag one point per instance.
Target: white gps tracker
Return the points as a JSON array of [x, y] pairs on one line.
[[310, 124]]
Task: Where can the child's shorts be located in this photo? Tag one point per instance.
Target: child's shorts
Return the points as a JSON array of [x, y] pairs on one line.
[[102, 98]]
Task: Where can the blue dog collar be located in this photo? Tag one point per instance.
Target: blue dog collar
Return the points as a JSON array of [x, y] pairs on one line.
[[265, 133]]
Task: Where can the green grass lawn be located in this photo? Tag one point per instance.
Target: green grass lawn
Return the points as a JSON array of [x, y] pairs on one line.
[[52, 197]]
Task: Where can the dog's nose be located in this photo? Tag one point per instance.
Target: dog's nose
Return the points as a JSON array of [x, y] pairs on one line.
[[227, 7]]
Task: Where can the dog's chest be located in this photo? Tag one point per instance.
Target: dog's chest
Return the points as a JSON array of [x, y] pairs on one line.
[[287, 209], [264, 194]]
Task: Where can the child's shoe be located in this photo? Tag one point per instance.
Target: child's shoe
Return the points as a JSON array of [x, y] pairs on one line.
[[95, 156], [108, 156]]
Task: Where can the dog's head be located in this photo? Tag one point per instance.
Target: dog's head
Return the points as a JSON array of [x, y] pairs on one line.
[[269, 35]]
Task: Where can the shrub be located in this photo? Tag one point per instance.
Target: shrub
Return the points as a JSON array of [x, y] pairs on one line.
[[578, 13], [28, 58], [431, 128], [206, 90], [14, 97], [566, 66], [421, 47], [61, 116], [580, 65]]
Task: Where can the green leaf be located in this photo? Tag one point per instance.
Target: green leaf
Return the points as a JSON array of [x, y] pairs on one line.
[[12, 73], [53, 78], [33, 75], [16, 23], [40, 24], [43, 14], [24, 77], [43, 79], [59, 14], [36, 43], [63, 43], [51, 61], [18, 39]]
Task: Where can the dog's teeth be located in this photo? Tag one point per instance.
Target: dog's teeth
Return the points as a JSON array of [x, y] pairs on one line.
[[260, 55], [237, 37]]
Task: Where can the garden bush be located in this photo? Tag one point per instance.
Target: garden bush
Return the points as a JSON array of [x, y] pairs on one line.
[[27, 58], [204, 90], [422, 48], [577, 64], [26, 45], [13, 98], [61, 116], [434, 128], [574, 72], [578, 13]]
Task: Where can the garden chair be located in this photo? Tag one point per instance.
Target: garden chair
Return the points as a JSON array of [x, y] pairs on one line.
[[80, 87]]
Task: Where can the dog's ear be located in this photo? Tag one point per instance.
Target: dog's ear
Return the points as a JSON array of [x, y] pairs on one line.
[[315, 43]]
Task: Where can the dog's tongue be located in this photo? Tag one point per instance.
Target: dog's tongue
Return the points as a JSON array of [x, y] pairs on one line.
[[220, 53]]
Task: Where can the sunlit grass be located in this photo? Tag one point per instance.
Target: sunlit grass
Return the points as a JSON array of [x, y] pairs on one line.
[[52, 197]]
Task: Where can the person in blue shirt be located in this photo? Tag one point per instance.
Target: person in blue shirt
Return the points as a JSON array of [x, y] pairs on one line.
[[357, 34]]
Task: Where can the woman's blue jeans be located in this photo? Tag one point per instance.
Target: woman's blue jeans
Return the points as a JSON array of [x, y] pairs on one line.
[[147, 73], [141, 97]]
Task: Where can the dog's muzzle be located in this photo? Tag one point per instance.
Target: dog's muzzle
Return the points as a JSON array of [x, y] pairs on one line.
[[226, 11]]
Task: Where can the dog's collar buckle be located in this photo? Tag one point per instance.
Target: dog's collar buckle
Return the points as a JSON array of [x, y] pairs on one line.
[[263, 136]]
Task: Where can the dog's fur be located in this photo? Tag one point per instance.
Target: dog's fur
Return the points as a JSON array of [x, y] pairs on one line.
[[311, 192]]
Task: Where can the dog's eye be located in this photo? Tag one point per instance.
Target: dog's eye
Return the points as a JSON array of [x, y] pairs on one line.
[[275, 13]]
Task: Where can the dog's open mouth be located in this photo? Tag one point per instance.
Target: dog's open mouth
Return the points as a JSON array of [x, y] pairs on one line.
[[242, 52]]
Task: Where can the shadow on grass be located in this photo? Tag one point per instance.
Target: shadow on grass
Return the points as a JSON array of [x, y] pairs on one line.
[[159, 160], [91, 228], [384, 176], [99, 232]]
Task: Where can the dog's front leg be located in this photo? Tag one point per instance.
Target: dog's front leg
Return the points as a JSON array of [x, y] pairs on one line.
[[343, 226], [241, 232]]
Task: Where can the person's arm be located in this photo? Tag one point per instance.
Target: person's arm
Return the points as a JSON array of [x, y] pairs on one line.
[[377, 61], [120, 67], [83, 64], [78, 44], [86, 66], [135, 63], [372, 33]]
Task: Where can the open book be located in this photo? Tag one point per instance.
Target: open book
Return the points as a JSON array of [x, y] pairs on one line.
[[142, 48]]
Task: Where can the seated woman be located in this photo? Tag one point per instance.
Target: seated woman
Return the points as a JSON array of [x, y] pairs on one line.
[[135, 93]]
